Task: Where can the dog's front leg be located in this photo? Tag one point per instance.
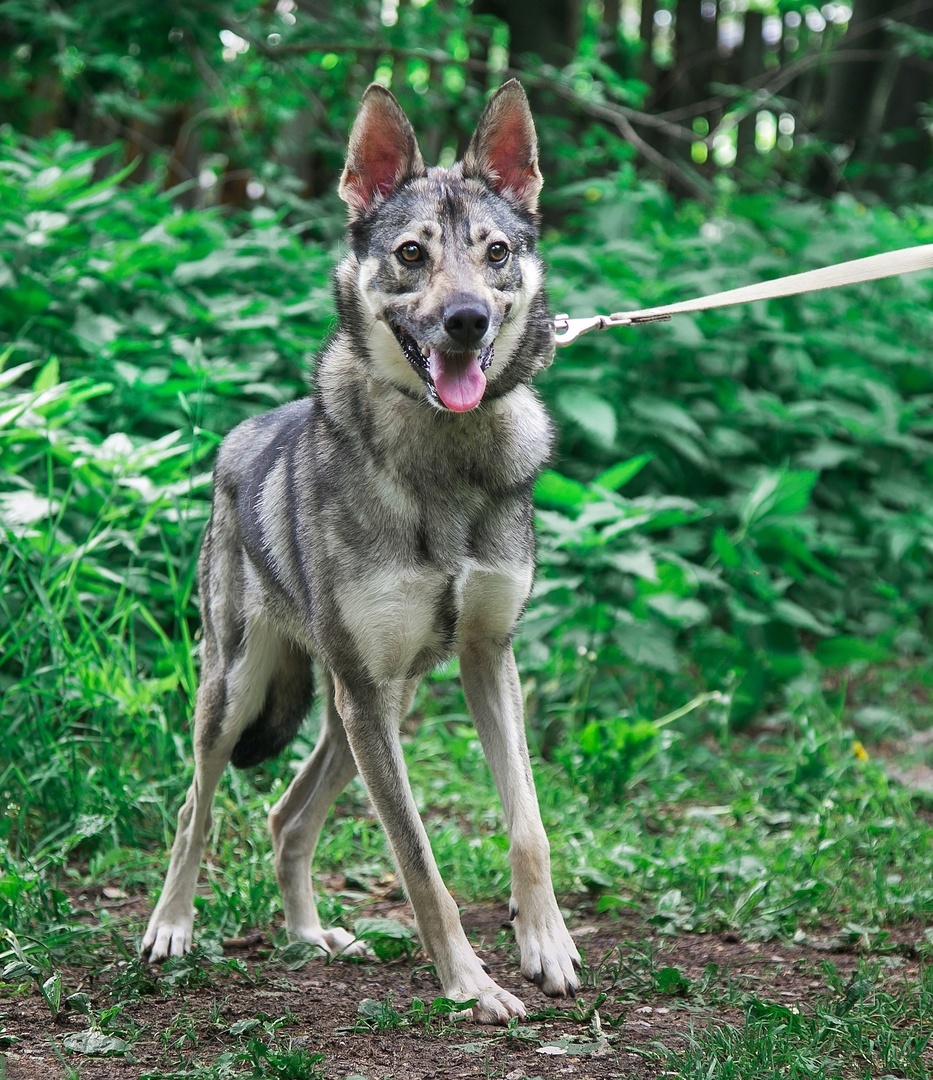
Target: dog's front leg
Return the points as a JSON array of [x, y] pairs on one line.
[[371, 715], [491, 683]]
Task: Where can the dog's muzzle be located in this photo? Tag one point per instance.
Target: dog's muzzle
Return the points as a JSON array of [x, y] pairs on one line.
[[455, 380]]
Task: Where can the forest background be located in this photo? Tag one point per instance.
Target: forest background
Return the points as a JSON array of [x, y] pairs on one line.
[[736, 534]]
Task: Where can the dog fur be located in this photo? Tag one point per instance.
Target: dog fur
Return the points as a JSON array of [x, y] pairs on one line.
[[382, 525]]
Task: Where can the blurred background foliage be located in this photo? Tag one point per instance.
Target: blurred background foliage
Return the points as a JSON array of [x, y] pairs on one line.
[[739, 510]]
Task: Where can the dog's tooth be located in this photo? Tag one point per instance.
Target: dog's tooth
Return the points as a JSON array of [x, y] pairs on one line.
[[425, 351]]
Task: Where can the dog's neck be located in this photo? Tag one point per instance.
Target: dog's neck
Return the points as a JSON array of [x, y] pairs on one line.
[[507, 439]]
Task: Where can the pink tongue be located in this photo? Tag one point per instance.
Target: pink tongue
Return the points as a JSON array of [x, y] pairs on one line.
[[458, 379]]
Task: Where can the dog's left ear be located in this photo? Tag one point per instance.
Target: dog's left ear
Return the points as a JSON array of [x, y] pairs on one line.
[[504, 149], [382, 155]]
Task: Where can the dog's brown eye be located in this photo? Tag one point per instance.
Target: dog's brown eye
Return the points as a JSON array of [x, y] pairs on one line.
[[410, 252], [498, 252]]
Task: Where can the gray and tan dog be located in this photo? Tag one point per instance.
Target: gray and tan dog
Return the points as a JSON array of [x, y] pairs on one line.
[[382, 525]]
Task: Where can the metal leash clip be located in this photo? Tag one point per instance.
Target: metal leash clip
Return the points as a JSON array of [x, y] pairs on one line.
[[567, 330]]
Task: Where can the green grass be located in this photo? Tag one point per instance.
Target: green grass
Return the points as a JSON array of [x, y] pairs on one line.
[[790, 834], [863, 1027], [767, 836]]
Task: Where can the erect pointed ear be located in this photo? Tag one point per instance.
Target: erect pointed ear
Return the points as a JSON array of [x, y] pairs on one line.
[[383, 152], [504, 149]]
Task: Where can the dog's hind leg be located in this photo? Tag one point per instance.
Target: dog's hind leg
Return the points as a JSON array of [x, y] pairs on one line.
[[170, 927], [490, 679], [295, 823], [244, 689]]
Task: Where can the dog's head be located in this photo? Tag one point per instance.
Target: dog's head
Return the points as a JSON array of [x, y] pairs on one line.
[[444, 272]]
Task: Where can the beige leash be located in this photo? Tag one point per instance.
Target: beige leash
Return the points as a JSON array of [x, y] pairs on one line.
[[889, 264]]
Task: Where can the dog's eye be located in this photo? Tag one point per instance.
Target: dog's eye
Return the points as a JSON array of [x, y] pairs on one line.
[[498, 252], [410, 252]]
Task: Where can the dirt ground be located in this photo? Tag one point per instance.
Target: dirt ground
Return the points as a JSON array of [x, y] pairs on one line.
[[185, 1032]]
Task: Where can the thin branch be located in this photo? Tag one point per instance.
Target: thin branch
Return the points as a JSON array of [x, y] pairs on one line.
[[436, 56], [620, 117]]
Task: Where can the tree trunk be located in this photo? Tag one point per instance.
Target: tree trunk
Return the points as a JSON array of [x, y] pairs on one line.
[[751, 59], [613, 53], [646, 32], [873, 102], [549, 29], [851, 81], [896, 130], [686, 83]]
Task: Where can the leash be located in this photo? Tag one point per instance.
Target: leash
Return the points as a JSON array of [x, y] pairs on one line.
[[889, 264]]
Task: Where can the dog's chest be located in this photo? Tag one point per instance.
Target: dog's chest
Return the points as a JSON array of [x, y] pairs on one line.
[[431, 566], [403, 620]]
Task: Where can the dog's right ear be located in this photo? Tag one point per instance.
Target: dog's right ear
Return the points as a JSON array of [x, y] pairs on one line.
[[383, 152]]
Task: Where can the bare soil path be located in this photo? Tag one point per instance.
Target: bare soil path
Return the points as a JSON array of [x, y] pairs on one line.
[[257, 1018]]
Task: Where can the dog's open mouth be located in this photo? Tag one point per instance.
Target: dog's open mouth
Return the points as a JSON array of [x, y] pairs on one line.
[[458, 379]]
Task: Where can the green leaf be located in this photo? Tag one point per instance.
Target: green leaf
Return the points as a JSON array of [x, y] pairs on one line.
[[671, 980], [47, 377], [211, 266], [369, 928], [8, 377], [94, 1044], [619, 475], [843, 650], [726, 551], [388, 938], [243, 1027], [52, 992], [79, 1003], [296, 954], [684, 611], [787, 611], [641, 564], [662, 413], [88, 196], [592, 413], [778, 493], [554, 490], [648, 644]]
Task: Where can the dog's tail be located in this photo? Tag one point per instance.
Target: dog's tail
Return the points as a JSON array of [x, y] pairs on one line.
[[288, 699]]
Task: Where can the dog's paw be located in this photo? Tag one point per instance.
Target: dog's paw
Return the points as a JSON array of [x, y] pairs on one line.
[[165, 939], [497, 1006], [493, 1005], [549, 956], [331, 942]]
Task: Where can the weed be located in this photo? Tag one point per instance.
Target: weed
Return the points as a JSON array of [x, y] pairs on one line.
[[384, 1016], [181, 1033], [198, 968], [132, 981], [7, 1039], [388, 939], [31, 961], [262, 1061], [291, 1063]]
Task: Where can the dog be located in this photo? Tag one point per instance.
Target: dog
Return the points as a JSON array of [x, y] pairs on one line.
[[382, 525]]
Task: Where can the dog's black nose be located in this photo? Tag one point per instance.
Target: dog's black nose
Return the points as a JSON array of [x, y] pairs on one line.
[[467, 322]]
